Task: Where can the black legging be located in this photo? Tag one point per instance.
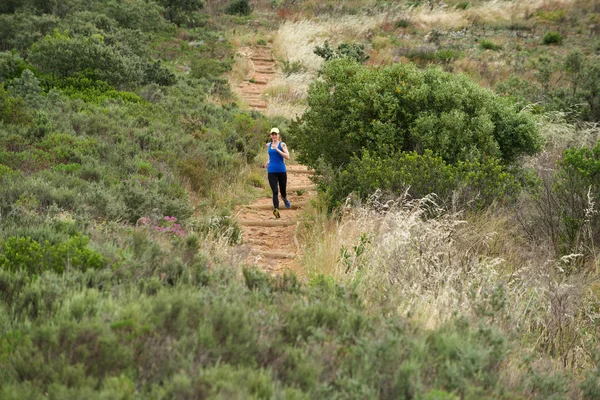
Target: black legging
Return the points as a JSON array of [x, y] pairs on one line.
[[281, 178]]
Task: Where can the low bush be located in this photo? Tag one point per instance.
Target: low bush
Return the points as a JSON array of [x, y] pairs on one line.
[[238, 7], [25, 254], [488, 45], [552, 38], [468, 184], [353, 51]]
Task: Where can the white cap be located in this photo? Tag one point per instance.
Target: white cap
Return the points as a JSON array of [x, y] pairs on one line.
[[274, 130]]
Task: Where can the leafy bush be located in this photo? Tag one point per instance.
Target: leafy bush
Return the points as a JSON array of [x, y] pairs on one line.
[[20, 30], [401, 108], [238, 7], [176, 8], [12, 110], [23, 253], [552, 38], [472, 183], [11, 65], [403, 23], [577, 192], [344, 50], [488, 45], [61, 55]]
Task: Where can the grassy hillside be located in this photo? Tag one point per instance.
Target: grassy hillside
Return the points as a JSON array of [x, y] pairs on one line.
[[453, 270]]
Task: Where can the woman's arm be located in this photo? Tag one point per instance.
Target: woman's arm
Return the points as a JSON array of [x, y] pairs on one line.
[[266, 165], [284, 151]]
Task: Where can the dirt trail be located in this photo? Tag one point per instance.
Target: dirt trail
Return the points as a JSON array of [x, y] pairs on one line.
[[262, 69], [271, 243]]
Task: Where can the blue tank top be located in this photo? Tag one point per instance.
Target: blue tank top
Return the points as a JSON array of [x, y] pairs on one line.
[[276, 163]]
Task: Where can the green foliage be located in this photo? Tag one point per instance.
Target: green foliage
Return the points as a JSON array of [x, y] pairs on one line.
[[424, 55], [552, 38], [175, 9], [403, 23], [93, 91], [23, 253], [489, 45], [238, 7], [344, 50], [292, 67], [579, 100], [62, 56], [12, 110], [401, 108], [20, 30], [577, 190], [11, 65], [470, 183]]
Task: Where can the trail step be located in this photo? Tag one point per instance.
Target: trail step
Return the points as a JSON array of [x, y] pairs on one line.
[[273, 254], [294, 206], [262, 59], [267, 222]]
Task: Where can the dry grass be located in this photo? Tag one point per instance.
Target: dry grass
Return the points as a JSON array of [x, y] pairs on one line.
[[430, 269], [485, 12]]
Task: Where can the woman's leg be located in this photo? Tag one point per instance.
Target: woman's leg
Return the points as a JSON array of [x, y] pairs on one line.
[[283, 184], [273, 183]]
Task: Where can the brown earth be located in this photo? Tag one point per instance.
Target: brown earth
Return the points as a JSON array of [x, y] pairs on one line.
[[262, 69], [272, 243], [267, 242]]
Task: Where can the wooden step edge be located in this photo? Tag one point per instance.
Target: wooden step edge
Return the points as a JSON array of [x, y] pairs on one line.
[[273, 254], [294, 206], [267, 222], [262, 59]]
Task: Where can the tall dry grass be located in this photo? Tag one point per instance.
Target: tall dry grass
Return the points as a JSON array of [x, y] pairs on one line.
[[430, 265]]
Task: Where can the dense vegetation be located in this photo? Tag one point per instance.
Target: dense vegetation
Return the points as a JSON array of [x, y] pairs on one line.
[[380, 115], [123, 151]]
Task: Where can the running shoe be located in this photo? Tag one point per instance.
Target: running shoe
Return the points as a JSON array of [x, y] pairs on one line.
[[276, 213], [287, 203]]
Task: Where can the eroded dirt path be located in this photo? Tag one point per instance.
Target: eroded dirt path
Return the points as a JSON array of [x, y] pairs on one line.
[[272, 243], [268, 242], [262, 69]]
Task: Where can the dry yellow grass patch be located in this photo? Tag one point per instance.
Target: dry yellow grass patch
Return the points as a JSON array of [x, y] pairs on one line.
[[490, 11], [296, 41]]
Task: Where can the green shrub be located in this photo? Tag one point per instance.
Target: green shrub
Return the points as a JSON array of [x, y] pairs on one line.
[[238, 7], [175, 9], [473, 183], [488, 45], [12, 110], [577, 190], [552, 38], [403, 23], [23, 253], [11, 65], [353, 51], [401, 108], [292, 67], [62, 56]]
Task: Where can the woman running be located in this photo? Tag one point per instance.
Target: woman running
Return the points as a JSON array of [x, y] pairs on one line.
[[277, 172]]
